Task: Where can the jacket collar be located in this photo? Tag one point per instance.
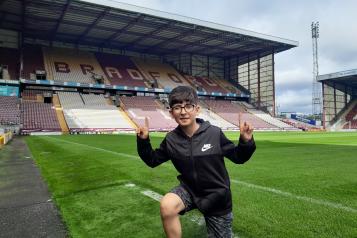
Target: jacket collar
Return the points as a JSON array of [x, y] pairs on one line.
[[203, 127]]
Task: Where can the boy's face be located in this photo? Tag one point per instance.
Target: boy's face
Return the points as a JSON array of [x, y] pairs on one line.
[[184, 113]]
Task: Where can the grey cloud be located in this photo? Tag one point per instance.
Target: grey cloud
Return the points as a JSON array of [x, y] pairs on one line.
[[294, 101]]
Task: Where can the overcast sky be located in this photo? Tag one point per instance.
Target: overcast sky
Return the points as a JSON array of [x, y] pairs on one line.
[[290, 20]]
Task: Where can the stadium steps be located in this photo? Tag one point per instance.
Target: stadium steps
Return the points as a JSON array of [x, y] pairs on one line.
[[204, 104], [5, 74], [269, 119], [246, 105], [106, 81], [39, 98], [222, 84], [109, 101], [62, 121], [127, 118], [123, 110], [59, 113], [55, 101], [161, 106], [339, 121], [47, 63]]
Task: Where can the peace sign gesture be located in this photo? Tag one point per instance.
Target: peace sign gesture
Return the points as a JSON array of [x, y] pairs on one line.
[[143, 131], [246, 129]]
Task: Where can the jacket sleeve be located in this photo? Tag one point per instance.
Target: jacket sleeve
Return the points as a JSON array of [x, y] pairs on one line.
[[152, 157], [237, 154]]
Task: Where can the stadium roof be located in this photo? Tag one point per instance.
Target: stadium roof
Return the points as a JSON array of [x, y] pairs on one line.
[[128, 27], [348, 78]]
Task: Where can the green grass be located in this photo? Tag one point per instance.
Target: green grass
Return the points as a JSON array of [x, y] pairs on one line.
[[87, 177]]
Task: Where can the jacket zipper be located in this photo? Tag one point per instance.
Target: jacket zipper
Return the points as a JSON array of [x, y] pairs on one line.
[[193, 165]]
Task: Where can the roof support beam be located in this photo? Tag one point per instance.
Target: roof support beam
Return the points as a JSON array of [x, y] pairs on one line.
[[94, 23], [59, 21], [107, 41], [2, 17], [154, 32], [142, 32], [23, 17], [2, 2], [34, 32], [23, 20], [165, 42], [202, 41], [73, 23], [234, 41]]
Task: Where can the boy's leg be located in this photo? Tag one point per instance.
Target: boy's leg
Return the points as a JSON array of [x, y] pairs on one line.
[[219, 226], [170, 207], [177, 201]]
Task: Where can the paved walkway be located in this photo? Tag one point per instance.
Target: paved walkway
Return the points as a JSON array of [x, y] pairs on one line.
[[25, 206]]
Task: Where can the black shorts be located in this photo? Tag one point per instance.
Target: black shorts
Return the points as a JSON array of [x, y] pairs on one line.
[[217, 226]]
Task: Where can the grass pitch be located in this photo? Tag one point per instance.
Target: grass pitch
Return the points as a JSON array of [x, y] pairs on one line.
[[295, 185]]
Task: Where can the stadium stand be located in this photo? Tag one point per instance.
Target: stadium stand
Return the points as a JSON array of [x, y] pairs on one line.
[[70, 100], [144, 41], [36, 116], [271, 120], [94, 100], [35, 94], [9, 110], [205, 84], [140, 107], [299, 124], [91, 113], [9, 62], [72, 66], [120, 70], [247, 105], [351, 118], [228, 86], [32, 62], [229, 111], [215, 119], [344, 118], [161, 75]]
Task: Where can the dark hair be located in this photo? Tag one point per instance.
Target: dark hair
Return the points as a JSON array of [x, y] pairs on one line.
[[182, 94]]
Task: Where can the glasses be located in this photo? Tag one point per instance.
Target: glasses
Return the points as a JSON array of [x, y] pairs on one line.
[[178, 108]]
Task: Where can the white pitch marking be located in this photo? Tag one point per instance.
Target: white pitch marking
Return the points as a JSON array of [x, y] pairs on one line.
[[287, 194], [157, 197], [198, 220], [104, 150], [152, 194], [97, 148], [272, 190], [130, 185], [134, 115]]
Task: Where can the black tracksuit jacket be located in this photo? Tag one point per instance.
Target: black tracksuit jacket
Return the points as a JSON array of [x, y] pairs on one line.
[[200, 162]]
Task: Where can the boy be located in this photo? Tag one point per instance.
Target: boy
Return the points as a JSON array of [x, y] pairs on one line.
[[196, 149]]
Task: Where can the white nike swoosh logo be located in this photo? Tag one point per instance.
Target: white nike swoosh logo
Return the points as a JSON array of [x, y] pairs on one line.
[[206, 148]]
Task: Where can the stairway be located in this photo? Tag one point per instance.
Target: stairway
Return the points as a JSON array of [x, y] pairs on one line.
[[59, 113]]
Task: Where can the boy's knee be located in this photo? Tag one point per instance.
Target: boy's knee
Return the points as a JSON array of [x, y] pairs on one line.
[[170, 205]]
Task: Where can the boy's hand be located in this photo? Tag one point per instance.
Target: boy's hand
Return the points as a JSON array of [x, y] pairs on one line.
[[143, 131], [246, 129]]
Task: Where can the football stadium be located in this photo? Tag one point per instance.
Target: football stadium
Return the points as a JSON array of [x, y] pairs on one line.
[[77, 78]]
